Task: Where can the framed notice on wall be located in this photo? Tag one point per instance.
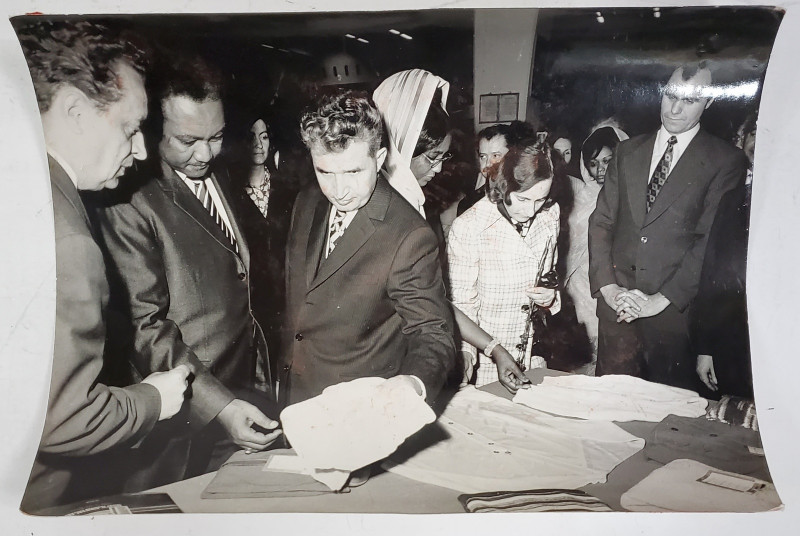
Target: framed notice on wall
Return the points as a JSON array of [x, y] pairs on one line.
[[499, 108]]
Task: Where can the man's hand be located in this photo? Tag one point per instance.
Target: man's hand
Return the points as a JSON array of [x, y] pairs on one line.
[[611, 294], [543, 297], [171, 386], [645, 305], [508, 372], [705, 369], [238, 417]]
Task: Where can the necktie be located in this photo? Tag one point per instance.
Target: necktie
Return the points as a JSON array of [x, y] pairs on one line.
[[661, 173], [335, 231], [202, 193]]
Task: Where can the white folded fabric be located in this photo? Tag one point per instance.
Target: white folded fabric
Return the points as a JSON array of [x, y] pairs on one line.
[[353, 424], [614, 397], [690, 486], [487, 443]]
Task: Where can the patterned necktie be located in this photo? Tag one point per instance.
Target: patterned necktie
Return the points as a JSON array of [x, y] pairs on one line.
[[335, 231], [661, 173], [202, 193]]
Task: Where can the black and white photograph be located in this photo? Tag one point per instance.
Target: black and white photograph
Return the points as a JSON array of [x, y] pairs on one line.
[[462, 260]]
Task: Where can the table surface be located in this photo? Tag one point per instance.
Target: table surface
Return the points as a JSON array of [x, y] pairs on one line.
[[391, 493]]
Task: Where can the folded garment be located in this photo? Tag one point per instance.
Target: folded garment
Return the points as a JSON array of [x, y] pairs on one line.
[[720, 445], [247, 476], [734, 410], [353, 424], [483, 443], [690, 486], [613, 397], [535, 500]]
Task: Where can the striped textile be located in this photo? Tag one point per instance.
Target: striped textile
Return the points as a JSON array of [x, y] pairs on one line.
[[202, 193], [537, 500], [403, 100]]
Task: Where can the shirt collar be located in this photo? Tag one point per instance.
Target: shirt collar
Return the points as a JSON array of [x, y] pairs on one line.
[[63, 163], [684, 138]]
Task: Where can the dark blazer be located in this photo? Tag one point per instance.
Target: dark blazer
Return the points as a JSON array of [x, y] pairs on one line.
[[84, 417], [187, 294], [661, 250], [375, 307], [720, 312]]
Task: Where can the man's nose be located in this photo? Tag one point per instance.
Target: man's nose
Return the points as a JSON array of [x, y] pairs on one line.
[[677, 106], [437, 167], [341, 187], [137, 147], [202, 152]]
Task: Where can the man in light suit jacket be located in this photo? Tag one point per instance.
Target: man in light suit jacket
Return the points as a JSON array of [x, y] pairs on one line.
[[91, 125], [648, 235], [183, 268], [364, 288]]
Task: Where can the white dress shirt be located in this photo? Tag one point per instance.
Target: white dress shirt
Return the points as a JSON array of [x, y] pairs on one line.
[[662, 137]]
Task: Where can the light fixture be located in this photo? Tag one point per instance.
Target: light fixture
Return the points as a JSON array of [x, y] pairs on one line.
[[394, 32], [406, 36], [600, 17], [351, 36], [657, 12], [267, 46], [362, 40]]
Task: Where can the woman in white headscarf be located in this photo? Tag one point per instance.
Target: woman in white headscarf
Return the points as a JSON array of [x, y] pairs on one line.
[[596, 153], [413, 107]]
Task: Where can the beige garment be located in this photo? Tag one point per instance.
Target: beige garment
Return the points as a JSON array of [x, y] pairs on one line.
[[486, 443], [690, 486], [613, 397]]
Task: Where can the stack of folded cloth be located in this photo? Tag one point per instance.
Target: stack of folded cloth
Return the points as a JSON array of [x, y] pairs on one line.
[[535, 500]]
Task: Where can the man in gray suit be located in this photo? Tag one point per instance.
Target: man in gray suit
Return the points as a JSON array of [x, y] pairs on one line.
[[183, 267], [648, 234], [90, 90]]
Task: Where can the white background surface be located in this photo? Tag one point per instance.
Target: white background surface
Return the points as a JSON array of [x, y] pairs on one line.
[[27, 294]]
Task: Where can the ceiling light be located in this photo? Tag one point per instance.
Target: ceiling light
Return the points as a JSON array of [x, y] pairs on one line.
[[394, 32], [406, 36], [351, 36], [362, 40], [267, 46]]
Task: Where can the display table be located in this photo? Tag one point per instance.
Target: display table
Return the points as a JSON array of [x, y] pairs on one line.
[[386, 492]]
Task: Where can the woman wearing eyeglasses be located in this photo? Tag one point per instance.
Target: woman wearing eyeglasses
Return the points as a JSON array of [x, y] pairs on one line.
[[502, 255], [413, 107]]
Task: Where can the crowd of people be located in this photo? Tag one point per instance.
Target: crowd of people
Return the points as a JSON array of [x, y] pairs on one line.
[[206, 289]]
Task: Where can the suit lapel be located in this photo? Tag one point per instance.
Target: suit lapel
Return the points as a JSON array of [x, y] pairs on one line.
[[357, 233], [187, 201], [680, 178], [637, 174], [244, 251], [315, 236]]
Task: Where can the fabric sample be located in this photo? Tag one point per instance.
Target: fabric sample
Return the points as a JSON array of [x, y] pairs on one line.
[[720, 445], [734, 410], [353, 424], [614, 397], [537, 500], [484, 443], [690, 486]]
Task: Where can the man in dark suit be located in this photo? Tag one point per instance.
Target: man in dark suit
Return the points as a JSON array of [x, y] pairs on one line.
[[364, 289], [91, 125], [183, 267], [647, 239]]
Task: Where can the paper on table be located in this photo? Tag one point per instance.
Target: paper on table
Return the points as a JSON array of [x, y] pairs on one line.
[[353, 424]]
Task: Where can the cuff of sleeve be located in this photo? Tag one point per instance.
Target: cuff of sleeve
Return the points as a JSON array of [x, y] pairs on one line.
[[150, 400], [421, 386], [209, 397]]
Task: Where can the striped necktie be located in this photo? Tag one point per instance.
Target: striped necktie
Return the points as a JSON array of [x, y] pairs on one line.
[[661, 173], [335, 231], [202, 193]]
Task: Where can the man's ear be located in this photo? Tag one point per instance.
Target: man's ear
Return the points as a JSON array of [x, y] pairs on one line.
[[73, 106], [380, 157]]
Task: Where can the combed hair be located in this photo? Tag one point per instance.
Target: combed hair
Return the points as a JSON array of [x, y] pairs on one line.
[[435, 127], [521, 169], [84, 55], [188, 75], [341, 118]]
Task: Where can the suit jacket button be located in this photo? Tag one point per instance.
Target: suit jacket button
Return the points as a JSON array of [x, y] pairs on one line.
[[644, 240], [242, 276], [298, 337], [633, 267]]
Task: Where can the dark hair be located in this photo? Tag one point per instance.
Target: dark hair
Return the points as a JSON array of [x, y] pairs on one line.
[[188, 75], [339, 119], [84, 55], [602, 137], [435, 127], [516, 133], [520, 170]]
